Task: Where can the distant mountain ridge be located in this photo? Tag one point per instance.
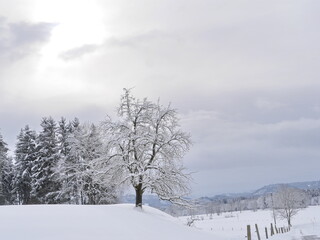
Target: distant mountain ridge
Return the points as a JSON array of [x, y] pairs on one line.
[[273, 187], [308, 185]]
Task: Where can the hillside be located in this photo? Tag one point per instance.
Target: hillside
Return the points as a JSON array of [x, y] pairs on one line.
[[232, 225], [117, 222]]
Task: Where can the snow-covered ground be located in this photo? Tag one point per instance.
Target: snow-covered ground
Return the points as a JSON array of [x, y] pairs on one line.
[[116, 222], [232, 226], [124, 221]]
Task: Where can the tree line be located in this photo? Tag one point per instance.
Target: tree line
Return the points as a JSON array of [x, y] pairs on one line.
[[284, 203], [55, 165], [74, 163]]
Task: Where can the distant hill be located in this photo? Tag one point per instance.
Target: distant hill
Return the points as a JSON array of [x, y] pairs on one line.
[[273, 187], [264, 190], [259, 192]]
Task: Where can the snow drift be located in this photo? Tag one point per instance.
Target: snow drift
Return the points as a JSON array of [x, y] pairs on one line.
[[118, 222]]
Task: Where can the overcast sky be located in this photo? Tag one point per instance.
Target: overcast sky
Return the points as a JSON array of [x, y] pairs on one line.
[[244, 76]]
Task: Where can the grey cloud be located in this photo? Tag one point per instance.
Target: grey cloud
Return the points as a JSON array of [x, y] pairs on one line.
[[148, 38], [79, 51], [269, 105], [20, 39], [27, 33], [224, 145]]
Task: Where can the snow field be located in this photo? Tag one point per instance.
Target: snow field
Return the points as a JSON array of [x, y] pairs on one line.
[[116, 222], [124, 221], [232, 226]]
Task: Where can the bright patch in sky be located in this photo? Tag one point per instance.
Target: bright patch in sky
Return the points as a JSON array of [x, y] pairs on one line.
[[78, 23]]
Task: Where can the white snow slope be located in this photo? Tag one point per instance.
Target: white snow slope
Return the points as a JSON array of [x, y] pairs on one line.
[[115, 222], [232, 226]]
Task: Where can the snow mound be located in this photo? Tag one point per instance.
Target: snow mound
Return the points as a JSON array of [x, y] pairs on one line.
[[118, 222]]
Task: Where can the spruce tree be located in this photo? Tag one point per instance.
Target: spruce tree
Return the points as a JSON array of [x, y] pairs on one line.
[[6, 174], [65, 169], [7, 181], [46, 187], [63, 131], [25, 156]]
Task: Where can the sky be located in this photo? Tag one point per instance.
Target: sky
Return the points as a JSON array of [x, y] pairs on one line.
[[243, 74]]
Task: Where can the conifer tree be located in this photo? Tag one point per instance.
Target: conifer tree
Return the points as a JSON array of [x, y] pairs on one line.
[[25, 156], [63, 132], [65, 168], [46, 187], [6, 174], [7, 181]]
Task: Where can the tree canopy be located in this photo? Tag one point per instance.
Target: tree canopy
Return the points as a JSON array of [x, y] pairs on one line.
[[146, 146]]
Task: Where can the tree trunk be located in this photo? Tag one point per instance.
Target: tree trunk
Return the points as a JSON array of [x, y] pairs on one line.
[[139, 193], [289, 222]]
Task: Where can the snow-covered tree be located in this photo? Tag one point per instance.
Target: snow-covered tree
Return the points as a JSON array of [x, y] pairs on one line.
[[288, 202], [146, 146], [25, 156], [80, 180], [7, 180], [46, 187], [262, 202], [6, 174], [66, 161], [64, 129]]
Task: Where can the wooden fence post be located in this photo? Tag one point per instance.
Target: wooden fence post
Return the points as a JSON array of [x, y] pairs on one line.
[[257, 230], [271, 230], [266, 232], [248, 232]]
